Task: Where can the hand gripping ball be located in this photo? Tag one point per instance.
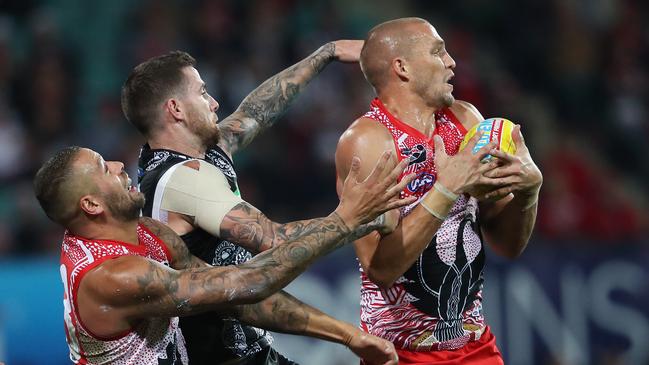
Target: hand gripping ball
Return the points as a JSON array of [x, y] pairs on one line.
[[492, 129]]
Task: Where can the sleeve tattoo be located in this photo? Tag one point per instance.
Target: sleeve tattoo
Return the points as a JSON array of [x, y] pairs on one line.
[[248, 227], [162, 290], [264, 105]]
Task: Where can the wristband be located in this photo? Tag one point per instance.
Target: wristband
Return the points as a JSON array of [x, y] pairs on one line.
[[437, 204], [432, 211], [447, 193]]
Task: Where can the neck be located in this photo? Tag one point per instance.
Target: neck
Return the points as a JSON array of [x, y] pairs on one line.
[[182, 142], [410, 109], [107, 229]]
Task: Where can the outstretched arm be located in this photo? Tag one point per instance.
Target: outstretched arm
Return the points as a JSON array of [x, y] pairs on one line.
[[284, 313], [121, 291], [251, 229], [281, 312], [264, 105]]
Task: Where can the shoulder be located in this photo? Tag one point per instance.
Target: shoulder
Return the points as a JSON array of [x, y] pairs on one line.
[[364, 131], [365, 139], [466, 113], [188, 175], [156, 227], [119, 275]]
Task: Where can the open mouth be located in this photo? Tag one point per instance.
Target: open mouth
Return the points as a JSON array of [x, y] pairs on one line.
[[129, 185]]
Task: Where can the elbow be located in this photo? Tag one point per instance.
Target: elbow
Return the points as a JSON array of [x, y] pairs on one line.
[[248, 295], [383, 280]]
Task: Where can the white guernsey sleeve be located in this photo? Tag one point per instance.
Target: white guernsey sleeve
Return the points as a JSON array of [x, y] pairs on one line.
[[203, 194]]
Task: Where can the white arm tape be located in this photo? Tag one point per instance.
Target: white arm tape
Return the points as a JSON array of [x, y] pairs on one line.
[[202, 194]]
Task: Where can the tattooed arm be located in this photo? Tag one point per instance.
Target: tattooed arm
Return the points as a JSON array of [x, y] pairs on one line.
[[251, 229], [118, 293], [264, 105], [281, 312]]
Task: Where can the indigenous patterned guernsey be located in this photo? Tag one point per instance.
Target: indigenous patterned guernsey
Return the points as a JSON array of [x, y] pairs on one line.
[[155, 341], [437, 303]]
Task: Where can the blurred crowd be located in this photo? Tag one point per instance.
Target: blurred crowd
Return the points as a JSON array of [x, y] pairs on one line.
[[573, 73]]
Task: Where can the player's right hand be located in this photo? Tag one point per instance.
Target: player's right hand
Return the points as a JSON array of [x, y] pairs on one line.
[[373, 350], [348, 50], [464, 172], [363, 201]]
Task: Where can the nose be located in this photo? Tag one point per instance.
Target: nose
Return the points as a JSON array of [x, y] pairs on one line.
[[215, 104], [115, 166], [449, 62]]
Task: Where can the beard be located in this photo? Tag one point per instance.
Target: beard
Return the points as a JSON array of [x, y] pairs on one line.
[[207, 131], [447, 100], [435, 98], [125, 207]]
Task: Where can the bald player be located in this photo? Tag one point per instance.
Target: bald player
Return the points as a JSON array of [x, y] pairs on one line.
[[422, 283]]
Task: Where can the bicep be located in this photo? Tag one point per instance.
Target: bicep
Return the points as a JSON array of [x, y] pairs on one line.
[[368, 144], [139, 288], [135, 286]]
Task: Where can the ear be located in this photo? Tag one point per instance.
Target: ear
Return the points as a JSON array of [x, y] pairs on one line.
[[175, 109], [401, 68], [91, 205]]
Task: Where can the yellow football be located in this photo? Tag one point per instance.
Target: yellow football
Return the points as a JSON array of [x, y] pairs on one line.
[[492, 129]]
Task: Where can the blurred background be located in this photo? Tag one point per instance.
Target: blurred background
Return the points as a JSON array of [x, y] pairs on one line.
[[573, 73]]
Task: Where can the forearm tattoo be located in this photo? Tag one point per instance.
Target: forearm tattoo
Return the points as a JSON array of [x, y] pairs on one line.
[[366, 228], [280, 312], [264, 105], [246, 226], [208, 288]]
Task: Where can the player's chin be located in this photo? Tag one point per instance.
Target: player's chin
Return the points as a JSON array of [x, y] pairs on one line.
[[137, 198], [448, 99]]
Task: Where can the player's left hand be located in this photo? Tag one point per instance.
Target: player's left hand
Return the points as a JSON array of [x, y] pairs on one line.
[[518, 172], [348, 50], [373, 350]]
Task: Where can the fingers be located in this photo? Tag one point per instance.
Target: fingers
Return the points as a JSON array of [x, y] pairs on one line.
[[502, 192], [473, 141], [394, 190], [501, 172], [377, 172], [519, 140], [494, 163], [486, 150], [354, 169], [440, 148], [502, 155], [399, 203], [393, 175]]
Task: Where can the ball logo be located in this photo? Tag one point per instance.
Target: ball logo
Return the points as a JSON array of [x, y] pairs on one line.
[[496, 130], [422, 183]]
